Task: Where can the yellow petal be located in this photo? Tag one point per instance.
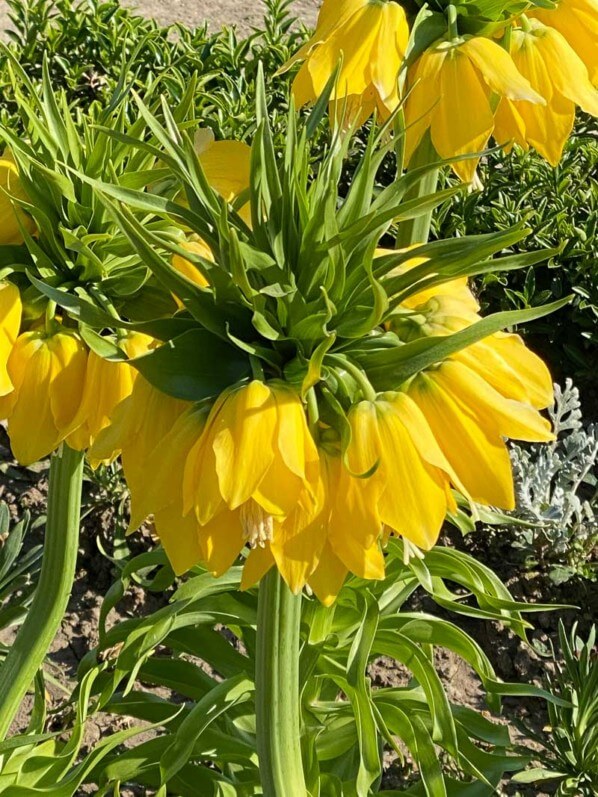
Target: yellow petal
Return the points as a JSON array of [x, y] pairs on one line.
[[506, 363], [10, 214], [354, 42], [567, 70], [186, 267], [222, 541], [462, 121], [499, 70], [413, 501], [423, 97], [297, 544], [257, 564], [504, 416], [10, 322], [328, 578], [154, 457], [227, 166], [31, 427], [509, 127], [577, 20], [66, 386], [180, 538], [248, 415], [478, 455], [354, 524], [393, 37]]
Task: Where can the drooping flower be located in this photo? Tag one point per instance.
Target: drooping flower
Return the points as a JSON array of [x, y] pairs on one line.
[[555, 71], [451, 89], [248, 474], [10, 322], [48, 374], [393, 479], [137, 430], [368, 40], [577, 20], [411, 477], [107, 383], [227, 166], [469, 420], [12, 217], [502, 359], [185, 267], [255, 466], [195, 246]]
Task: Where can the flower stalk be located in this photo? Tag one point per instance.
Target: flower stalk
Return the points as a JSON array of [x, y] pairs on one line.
[[417, 230], [55, 584], [278, 708]]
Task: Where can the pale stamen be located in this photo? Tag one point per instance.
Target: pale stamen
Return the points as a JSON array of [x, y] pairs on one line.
[[411, 551], [258, 526]]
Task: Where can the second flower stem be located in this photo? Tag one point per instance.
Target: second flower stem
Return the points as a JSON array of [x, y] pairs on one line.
[[278, 710], [49, 603], [417, 231]]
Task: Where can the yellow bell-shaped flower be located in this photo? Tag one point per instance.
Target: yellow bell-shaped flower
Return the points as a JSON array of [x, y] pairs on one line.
[[228, 469], [368, 39], [48, 374], [246, 475], [503, 360], [342, 527], [106, 385], [10, 323], [451, 91], [195, 246], [577, 20], [469, 420], [227, 166], [143, 429], [410, 476], [10, 214], [553, 68]]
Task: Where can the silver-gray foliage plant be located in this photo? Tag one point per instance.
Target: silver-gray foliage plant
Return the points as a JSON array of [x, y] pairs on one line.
[[557, 490]]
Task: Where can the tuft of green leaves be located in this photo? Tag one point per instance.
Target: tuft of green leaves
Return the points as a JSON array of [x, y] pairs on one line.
[[569, 756], [190, 688]]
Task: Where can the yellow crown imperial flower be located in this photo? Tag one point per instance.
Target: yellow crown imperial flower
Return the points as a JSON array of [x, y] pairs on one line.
[[553, 68], [469, 420], [226, 165], [368, 38], [577, 21], [195, 246], [12, 217], [227, 468], [502, 359], [10, 323], [410, 475], [342, 527], [248, 475], [138, 427], [106, 385], [48, 374], [186, 268], [451, 89]]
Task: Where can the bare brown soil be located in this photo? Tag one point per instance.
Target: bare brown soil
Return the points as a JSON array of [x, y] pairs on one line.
[[195, 12]]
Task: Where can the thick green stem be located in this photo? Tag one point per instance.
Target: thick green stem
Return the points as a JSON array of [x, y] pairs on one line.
[[417, 231], [278, 712], [54, 588]]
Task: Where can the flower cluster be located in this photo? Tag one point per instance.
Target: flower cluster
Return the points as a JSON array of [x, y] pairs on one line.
[[277, 385], [518, 81]]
